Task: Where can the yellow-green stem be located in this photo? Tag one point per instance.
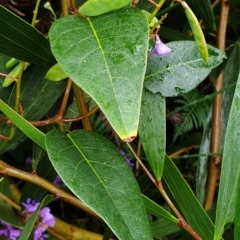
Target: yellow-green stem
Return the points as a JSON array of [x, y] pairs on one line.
[[35, 12], [154, 13]]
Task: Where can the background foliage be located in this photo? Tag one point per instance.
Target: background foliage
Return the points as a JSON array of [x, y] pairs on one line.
[[103, 137]]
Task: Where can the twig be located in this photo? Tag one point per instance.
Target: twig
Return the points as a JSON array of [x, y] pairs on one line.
[[181, 221], [9, 171], [217, 109]]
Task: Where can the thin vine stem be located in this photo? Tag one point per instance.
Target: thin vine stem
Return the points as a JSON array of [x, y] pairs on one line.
[[181, 221]]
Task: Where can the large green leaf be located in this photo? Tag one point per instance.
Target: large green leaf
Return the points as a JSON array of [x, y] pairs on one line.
[[152, 130], [230, 169], [187, 202], [97, 173], [180, 71], [20, 40], [37, 97], [106, 56]]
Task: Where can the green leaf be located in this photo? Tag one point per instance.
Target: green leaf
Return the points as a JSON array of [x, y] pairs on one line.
[[30, 223], [95, 171], [237, 215], [152, 130], [162, 227], [187, 202], [98, 7], [55, 73], [37, 97], [180, 71], [20, 40], [27, 128], [204, 9], [157, 210], [230, 168], [7, 213], [106, 56]]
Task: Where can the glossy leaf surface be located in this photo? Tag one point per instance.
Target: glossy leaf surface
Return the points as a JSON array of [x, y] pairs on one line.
[[152, 130], [180, 71], [97, 173], [20, 40], [106, 56], [230, 168]]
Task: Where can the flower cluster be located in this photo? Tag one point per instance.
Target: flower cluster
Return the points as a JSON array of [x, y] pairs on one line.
[[45, 217], [160, 48], [126, 156], [8, 231]]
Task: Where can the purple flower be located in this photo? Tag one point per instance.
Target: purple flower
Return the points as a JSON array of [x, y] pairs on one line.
[[30, 205], [29, 161], [39, 233], [160, 48], [9, 231], [127, 158], [58, 181], [47, 218]]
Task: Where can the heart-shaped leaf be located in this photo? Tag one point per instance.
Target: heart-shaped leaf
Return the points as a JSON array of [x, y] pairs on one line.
[[180, 71], [95, 171], [106, 57]]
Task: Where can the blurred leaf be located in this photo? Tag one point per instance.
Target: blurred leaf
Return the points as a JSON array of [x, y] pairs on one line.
[[107, 64], [95, 171], [230, 168], [31, 221], [152, 130], [202, 164], [231, 72], [180, 71], [237, 215], [37, 97], [157, 210], [187, 202], [162, 227], [204, 9], [27, 128], [7, 213], [173, 35], [20, 40]]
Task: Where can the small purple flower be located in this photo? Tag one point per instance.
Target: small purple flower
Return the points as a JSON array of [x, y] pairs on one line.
[[127, 158], [9, 231], [47, 218], [29, 161], [160, 48], [58, 181], [39, 233], [30, 205]]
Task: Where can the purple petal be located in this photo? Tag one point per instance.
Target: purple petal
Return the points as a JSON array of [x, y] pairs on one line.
[[160, 48], [30, 205], [47, 218]]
